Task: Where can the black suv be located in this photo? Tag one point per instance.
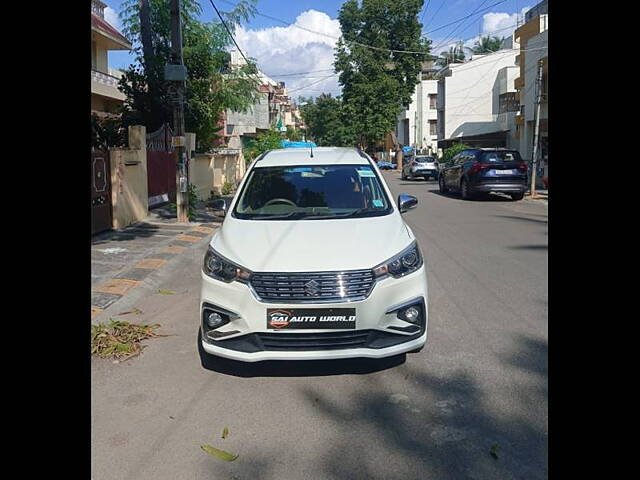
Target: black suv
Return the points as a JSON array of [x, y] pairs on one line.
[[484, 170]]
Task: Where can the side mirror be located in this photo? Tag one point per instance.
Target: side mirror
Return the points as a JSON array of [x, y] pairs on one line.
[[406, 202], [219, 207]]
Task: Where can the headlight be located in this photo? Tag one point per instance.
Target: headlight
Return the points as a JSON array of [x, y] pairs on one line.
[[222, 269], [407, 261]]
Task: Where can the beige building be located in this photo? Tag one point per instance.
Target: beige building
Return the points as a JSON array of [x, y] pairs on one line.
[[533, 38], [105, 96]]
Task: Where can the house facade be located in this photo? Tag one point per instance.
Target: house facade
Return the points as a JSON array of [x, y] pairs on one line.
[[105, 96], [477, 101], [533, 39]]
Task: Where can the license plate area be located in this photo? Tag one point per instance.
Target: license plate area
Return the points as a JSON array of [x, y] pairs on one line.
[[311, 318], [504, 172]]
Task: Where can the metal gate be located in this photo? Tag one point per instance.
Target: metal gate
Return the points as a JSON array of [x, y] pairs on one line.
[[101, 213], [161, 167]]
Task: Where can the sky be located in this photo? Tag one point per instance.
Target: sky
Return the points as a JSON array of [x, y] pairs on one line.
[[304, 60]]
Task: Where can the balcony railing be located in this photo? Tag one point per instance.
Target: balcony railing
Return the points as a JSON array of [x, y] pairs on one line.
[[104, 78]]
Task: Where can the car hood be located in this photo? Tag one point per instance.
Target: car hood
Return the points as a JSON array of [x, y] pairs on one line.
[[311, 245]]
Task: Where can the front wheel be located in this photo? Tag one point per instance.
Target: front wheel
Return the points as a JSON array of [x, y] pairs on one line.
[[517, 196], [443, 187]]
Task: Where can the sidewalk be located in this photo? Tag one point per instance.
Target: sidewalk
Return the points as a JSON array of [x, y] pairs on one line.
[[134, 257], [541, 194]]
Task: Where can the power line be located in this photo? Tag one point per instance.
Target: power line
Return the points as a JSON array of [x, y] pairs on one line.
[[310, 84], [450, 36], [424, 11], [434, 15], [464, 18]]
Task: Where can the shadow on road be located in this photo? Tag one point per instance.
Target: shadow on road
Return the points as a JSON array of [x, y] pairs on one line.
[[138, 230], [530, 247], [303, 368], [488, 197], [447, 429], [522, 219]]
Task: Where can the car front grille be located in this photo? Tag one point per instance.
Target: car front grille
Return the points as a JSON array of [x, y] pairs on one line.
[[314, 341], [316, 287]]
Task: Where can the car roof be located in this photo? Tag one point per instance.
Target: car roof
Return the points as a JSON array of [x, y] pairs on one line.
[[321, 156]]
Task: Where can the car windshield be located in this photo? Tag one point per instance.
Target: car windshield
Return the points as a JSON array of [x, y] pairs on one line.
[[501, 157], [312, 192], [425, 159]]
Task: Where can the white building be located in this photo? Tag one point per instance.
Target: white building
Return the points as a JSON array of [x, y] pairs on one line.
[[417, 125], [477, 101]]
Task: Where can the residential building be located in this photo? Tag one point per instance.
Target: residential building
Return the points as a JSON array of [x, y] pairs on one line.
[[417, 124], [477, 101], [533, 39], [105, 96]]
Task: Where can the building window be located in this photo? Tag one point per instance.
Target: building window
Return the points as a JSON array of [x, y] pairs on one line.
[[94, 56], [230, 128], [508, 102], [432, 101], [433, 127]]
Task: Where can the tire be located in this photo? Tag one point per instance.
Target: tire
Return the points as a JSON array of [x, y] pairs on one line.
[[517, 196], [464, 190], [403, 176], [443, 187]]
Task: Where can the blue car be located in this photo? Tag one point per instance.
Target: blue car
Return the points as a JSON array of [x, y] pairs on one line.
[[386, 166]]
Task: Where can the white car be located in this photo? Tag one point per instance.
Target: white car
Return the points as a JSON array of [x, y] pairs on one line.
[[313, 261], [421, 166]]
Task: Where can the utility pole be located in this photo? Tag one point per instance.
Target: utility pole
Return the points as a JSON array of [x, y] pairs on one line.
[[537, 129], [176, 73]]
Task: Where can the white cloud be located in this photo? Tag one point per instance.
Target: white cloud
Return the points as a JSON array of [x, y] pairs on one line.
[[285, 50], [499, 24], [111, 16]]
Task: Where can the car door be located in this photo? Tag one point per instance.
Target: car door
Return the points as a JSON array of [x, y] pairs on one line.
[[447, 171], [456, 170]]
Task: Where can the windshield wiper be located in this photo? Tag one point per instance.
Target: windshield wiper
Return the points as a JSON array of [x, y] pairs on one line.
[[275, 217], [339, 215]]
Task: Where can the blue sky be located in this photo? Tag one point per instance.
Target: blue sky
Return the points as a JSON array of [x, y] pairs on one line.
[[304, 60]]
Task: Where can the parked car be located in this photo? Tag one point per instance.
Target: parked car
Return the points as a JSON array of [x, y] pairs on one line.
[[485, 170], [420, 166], [313, 261], [386, 165]]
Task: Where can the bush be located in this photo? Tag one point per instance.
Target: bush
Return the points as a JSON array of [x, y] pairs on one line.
[[227, 188], [452, 151]]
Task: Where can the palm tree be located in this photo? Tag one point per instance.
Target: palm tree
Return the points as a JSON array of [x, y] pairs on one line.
[[487, 44], [455, 54]]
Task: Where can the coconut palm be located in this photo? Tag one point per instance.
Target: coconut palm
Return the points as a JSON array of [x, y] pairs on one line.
[[455, 54], [487, 44]]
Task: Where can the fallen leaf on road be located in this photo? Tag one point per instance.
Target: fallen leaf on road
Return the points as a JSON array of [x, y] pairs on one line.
[[135, 311], [225, 433], [166, 292], [494, 451], [218, 453]]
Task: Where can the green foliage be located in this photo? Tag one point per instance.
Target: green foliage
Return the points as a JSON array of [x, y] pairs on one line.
[[269, 140], [107, 133], [327, 123], [452, 151], [211, 87], [487, 44], [192, 192], [293, 134], [227, 188], [454, 55], [376, 82]]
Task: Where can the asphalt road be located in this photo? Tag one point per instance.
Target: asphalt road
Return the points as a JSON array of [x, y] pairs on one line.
[[480, 385]]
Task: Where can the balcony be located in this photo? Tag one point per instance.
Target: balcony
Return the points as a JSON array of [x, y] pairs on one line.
[[105, 85]]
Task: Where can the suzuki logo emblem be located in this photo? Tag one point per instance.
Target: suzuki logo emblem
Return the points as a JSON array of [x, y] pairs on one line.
[[311, 287]]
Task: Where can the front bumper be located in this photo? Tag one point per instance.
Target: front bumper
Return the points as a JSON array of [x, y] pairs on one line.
[[379, 332]]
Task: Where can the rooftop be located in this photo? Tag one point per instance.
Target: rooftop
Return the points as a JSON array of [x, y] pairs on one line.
[[321, 156]]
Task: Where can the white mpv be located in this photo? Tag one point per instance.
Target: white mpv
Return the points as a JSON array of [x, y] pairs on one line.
[[313, 261]]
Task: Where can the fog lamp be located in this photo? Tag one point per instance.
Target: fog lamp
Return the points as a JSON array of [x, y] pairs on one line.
[[214, 320], [412, 314]]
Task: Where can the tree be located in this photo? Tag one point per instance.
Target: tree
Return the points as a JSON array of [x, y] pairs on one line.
[[487, 44], [211, 85], [327, 123], [293, 134], [454, 55], [269, 140], [377, 79]]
